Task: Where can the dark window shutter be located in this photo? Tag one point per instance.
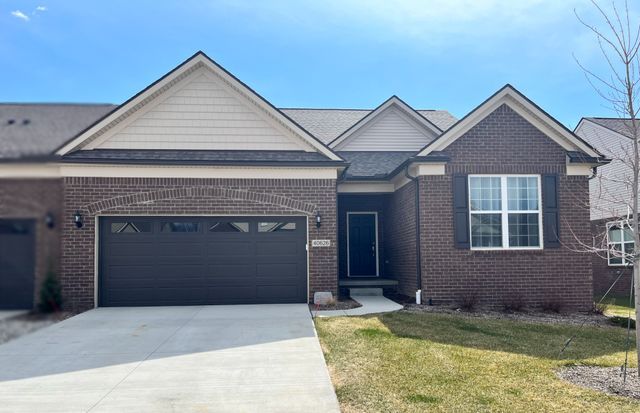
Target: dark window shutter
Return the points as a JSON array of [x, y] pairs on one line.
[[550, 207], [460, 212]]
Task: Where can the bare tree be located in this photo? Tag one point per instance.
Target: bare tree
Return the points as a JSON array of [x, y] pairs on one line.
[[618, 37]]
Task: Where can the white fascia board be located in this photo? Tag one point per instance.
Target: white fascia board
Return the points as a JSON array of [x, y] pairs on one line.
[[200, 59], [58, 170], [579, 169], [29, 170], [393, 101], [351, 187], [230, 172], [522, 107]]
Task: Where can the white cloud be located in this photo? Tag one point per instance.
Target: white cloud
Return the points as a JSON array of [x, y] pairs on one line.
[[41, 8], [20, 15]]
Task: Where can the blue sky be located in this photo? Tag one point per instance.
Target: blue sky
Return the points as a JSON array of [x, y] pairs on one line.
[[437, 54]]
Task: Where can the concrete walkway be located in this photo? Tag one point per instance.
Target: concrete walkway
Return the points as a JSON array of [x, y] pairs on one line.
[[262, 358], [7, 314], [371, 304]]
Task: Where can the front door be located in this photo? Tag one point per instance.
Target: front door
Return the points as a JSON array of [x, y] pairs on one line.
[[362, 243]]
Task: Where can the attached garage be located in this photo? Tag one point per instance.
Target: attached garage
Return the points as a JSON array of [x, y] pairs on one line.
[[17, 263], [147, 261]]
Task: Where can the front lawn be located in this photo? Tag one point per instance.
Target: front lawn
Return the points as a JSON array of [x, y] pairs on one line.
[[617, 307], [415, 362]]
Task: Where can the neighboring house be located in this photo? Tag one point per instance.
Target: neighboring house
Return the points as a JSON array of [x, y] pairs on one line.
[[609, 193], [199, 191]]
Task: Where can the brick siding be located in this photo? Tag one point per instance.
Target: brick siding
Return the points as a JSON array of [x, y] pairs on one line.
[[401, 239], [34, 199], [173, 196], [505, 143]]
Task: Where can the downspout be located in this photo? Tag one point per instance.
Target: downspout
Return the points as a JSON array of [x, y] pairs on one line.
[[418, 239]]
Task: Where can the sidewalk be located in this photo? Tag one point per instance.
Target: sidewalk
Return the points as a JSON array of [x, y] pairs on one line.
[[371, 304]]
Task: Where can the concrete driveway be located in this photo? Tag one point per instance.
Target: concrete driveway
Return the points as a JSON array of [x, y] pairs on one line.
[[246, 358]]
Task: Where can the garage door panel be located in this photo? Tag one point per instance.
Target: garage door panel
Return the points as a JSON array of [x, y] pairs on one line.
[[180, 295], [130, 271], [142, 249], [278, 293], [230, 248], [180, 261], [17, 263], [216, 271]]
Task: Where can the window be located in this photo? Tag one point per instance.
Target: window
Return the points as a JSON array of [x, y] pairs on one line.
[[130, 227], [619, 239], [276, 226], [180, 227], [505, 212], [229, 227]]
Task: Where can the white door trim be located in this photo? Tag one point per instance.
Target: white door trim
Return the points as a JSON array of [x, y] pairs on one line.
[[375, 214]]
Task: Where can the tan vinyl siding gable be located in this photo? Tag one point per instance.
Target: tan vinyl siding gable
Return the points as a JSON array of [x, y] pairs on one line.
[[607, 191], [391, 131], [201, 113]]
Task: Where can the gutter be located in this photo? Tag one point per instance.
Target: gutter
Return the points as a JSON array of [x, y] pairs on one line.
[[418, 251]]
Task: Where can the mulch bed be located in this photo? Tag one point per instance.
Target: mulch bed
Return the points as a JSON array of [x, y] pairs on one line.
[[591, 319], [605, 379], [14, 327], [341, 304]]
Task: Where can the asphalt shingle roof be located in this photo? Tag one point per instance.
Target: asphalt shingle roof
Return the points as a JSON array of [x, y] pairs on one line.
[[202, 157], [622, 126], [373, 165], [31, 130], [36, 130], [328, 124]]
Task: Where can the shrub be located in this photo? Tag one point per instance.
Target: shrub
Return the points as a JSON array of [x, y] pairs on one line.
[[622, 322], [515, 302], [50, 293], [468, 300], [553, 305], [599, 308]]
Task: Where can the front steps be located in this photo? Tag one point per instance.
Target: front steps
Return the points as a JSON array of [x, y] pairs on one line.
[[360, 292]]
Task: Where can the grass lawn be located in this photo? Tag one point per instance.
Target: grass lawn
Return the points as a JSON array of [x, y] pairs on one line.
[[415, 362], [618, 306]]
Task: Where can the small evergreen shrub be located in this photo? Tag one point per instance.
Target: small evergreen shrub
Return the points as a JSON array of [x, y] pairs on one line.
[[50, 293]]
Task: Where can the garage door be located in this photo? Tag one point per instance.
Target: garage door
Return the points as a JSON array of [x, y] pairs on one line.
[[17, 263], [202, 260]]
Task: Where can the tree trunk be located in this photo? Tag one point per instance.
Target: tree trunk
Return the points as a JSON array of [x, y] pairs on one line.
[[636, 293]]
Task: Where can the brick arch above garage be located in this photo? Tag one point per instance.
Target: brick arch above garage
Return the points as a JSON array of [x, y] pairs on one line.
[[160, 196]]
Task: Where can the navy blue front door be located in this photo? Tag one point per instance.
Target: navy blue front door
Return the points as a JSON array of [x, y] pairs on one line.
[[362, 245]]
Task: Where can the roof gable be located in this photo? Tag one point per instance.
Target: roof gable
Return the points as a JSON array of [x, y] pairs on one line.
[[198, 105], [532, 113], [392, 126]]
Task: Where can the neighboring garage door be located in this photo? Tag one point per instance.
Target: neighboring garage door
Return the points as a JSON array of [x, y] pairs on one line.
[[17, 263], [202, 260]]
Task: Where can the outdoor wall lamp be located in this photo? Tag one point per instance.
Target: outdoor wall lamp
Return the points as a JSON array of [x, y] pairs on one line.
[[318, 219], [49, 220], [77, 219]]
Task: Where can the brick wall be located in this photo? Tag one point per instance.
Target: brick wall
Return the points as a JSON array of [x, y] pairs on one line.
[[401, 239], [504, 143], [111, 196], [603, 274], [33, 199]]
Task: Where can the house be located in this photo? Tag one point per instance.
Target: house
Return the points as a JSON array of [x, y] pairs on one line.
[[197, 190], [609, 193]]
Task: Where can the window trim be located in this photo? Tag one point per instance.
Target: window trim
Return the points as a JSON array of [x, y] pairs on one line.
[[504, 212], [619, 225]]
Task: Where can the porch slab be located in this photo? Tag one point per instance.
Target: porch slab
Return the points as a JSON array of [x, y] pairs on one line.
[[367, 282]]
